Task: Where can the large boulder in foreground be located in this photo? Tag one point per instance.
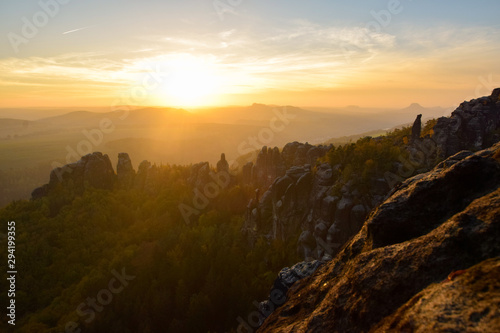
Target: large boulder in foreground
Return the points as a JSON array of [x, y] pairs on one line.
[[417, 264], [467, 301]]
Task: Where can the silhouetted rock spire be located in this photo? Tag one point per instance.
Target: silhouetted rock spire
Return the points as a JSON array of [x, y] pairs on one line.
[[222, 165], [416, 128]]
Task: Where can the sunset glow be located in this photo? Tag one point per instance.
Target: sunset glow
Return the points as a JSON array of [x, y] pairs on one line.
[[279, 53], [188, 82]]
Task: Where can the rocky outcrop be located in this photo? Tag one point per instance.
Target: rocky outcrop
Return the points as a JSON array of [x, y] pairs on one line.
[[268, 165], [466, 301], [416, 128], [296, 153], [425, 260], [94, 170], [283, 206], [125, 172], [286, 278], [271, 163], [223, 165], [301, 200], [473, 125], [328, 217]]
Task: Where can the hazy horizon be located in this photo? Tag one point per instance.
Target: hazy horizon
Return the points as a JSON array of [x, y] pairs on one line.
[[39, 113]]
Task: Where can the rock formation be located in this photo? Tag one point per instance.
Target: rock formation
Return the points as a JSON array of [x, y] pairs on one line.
[[427, 259], [300, 200], [268, 166], [473, 125], [327, 220], [222, 165], [271, 163], [473, 295], [93, 170], [416, 128], [125, 173], [286, 278]]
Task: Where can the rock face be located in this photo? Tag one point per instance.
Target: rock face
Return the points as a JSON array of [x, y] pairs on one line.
[[286, 278], [295, 199], [473, 125], [427, 259], [268, 166], [271, 163], [93, 170], [301, 200], [474, 297]]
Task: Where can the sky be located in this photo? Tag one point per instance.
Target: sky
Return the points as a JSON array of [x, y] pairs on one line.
[[194, 53]]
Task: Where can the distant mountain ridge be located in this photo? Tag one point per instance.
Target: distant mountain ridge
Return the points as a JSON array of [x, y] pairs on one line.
[[171, 136]]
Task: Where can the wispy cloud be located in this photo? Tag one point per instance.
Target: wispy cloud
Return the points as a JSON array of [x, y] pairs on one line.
[[79, 29]]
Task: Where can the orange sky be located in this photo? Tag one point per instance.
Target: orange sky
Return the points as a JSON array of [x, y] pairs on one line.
[[372, 56]]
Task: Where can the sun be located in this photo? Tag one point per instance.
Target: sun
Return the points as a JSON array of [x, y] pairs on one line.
[[189, 81]]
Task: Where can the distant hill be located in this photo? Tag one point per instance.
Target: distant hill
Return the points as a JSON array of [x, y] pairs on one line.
[[353, 138], [39, 113]]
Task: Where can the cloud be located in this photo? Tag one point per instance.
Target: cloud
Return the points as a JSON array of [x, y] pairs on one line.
[[92, 67], [79, 29], [305, 56]]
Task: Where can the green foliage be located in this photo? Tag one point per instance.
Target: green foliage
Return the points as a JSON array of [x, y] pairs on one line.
[[188, 278], [368, 158], [428, 128]]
